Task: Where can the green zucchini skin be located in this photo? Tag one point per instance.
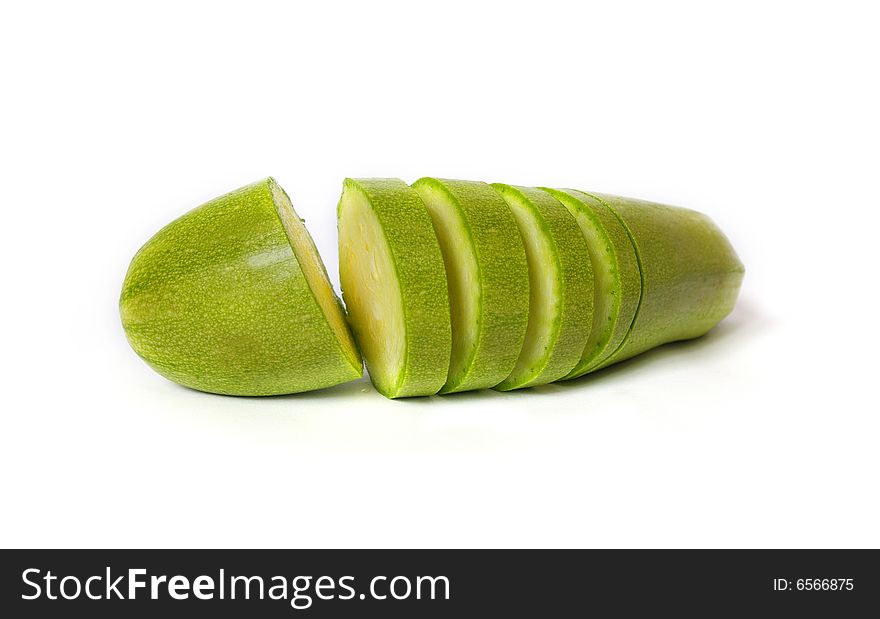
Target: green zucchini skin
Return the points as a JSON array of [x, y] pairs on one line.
[[218, 302], [500, 286], [421, 278], [691, 275], [559, 268]]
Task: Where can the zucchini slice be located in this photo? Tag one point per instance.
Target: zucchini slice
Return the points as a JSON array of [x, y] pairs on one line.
[[560, 288], [487, 278], [394, 286], [616, 274]]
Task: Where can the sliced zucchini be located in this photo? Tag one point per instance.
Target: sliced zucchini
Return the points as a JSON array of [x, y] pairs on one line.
[[560, 288], [487, 277], [394, 286], [616, 274]]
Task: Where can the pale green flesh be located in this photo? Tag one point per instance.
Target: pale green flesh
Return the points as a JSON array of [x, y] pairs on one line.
[[315, 272], [394, 285], [560, 288], [487, 280], [371, 290]]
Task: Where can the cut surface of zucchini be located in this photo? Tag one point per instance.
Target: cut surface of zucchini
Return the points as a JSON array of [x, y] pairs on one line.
[[487, 278], [315, 272], [394, 286]]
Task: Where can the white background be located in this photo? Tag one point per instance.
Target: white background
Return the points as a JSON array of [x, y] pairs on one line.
[[118, 117]]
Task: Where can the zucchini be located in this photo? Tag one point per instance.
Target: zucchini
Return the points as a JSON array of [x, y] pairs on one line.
[[560, 288], [487, 277], [690, 273], [233, 298], [617, 288], [394, 286]]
